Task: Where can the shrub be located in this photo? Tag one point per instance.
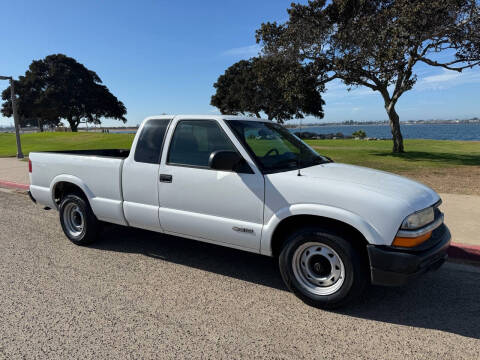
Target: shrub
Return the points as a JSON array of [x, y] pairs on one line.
[[360, 134]]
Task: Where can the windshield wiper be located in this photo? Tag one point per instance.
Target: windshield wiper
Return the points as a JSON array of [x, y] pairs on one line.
[[284, 164], [312, 162], [297, 163]]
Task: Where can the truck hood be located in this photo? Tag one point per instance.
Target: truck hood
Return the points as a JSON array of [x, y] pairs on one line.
[[415, 194], [333, 182], [380, 199]]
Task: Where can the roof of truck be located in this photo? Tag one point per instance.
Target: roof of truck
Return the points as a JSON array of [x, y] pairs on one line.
[[206, 117]]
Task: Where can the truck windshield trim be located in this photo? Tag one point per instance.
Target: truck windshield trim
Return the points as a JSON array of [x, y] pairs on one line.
[[273, 147]]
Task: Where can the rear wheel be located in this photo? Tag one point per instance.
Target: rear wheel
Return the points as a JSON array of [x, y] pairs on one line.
[[78, 220], [322, 268]]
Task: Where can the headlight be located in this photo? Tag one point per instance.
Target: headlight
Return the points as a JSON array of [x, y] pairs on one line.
[[419, 219]]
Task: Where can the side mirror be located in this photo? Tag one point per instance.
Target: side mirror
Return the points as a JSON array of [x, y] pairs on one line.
[[227, 161]]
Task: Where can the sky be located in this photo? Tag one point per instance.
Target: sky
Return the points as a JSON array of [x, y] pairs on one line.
[[164, 56]]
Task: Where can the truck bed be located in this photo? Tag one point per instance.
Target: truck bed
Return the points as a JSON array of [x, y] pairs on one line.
[[115, 153], [97, 172]]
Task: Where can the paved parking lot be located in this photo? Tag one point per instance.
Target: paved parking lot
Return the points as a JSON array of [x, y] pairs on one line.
[[137, 294]]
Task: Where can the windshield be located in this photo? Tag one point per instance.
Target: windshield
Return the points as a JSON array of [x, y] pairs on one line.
[[274, 147]]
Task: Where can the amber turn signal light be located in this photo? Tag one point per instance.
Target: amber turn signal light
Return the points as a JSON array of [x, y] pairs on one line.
[[411, 242]]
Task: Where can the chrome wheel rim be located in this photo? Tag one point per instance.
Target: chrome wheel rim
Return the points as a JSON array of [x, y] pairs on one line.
[[73, 219], [318, 268]]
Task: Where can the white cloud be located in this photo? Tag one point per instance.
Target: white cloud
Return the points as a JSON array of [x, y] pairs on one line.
[[446, 76], [437, 81], [336, 89], [244, 51], [447, 79]]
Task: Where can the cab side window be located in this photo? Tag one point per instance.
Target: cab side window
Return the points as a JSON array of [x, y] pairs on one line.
[[149, 145], [194, 141]]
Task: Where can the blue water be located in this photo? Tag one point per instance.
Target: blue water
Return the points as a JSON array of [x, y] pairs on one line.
[[413, 131], [409, 131], [122, 132]]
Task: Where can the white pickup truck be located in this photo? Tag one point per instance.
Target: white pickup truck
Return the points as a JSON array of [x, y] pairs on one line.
[[250, 184]]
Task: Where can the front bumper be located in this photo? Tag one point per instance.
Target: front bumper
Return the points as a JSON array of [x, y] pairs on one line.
[[395, 267]]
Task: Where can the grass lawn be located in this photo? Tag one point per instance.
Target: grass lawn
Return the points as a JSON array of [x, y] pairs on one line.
[[54, 141], [447, 166], [419, 153]]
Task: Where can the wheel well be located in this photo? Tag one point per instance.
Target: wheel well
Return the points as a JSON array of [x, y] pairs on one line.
[[65, 188], [292, 223]]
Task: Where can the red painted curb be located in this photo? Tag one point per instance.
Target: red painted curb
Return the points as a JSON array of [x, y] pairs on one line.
[[11, 184], [464, 252]]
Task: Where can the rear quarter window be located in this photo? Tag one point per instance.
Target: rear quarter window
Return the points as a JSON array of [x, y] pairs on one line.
[[150, 142]]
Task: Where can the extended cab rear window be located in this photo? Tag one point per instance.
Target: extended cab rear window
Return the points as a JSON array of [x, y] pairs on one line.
[[149, 145]]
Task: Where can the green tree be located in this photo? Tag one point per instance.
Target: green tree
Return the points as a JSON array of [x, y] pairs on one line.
[[58, 87], [280, 88], [31, 110], [360, 134], [377, 43]]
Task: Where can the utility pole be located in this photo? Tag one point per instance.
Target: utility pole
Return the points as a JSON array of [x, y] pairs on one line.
[[15, 116]]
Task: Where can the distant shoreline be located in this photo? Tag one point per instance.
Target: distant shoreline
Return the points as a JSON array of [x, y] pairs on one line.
[[439, 131], [386, 123], [367, 124]]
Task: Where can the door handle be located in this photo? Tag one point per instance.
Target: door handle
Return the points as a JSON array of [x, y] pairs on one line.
[[165, 178]]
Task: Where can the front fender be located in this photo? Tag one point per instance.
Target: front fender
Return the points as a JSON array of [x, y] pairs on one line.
[[348, 217]]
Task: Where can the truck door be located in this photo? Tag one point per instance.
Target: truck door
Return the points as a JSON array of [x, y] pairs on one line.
[[197, 201], [140, 176]]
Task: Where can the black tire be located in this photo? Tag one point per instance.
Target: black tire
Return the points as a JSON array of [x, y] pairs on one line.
[[296, 274], [87, 232]]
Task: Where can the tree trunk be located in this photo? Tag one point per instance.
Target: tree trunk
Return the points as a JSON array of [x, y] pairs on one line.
[[40, 124], [395, 128], [73, 124]]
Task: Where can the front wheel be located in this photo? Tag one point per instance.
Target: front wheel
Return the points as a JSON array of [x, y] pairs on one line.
[[78, 221], [322, 268]]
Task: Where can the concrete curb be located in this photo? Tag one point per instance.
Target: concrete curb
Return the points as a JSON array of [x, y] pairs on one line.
[[456, 251], [14, 185]]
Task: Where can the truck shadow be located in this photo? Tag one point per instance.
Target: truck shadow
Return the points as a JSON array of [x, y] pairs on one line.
[[445, 300], [233, 263]]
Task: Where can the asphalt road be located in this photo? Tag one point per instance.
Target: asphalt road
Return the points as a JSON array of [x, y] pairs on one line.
[[137, 294]]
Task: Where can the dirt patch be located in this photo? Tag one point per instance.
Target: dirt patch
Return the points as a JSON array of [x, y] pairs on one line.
[[456, 180]]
